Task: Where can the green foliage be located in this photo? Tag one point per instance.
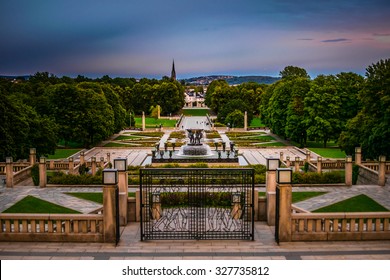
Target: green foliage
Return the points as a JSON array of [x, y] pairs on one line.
[[306, 167], [31, 204], [235, 119], [70, 179], [355, 174], [293, 72], [63, 153], [333, 177], [195, 112], [210, 199], [35, 174], [83, 169]]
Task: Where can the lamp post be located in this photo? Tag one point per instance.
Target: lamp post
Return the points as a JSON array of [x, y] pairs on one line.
[[110, 209], [284, 196], [120, 164]]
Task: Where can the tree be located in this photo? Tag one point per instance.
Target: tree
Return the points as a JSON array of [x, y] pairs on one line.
[[293, 72], [235, 119]]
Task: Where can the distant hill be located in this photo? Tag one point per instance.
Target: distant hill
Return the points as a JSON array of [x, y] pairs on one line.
[[22, 77], [232, 80]]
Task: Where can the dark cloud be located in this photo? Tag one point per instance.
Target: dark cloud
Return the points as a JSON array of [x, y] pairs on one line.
[[335, 40]]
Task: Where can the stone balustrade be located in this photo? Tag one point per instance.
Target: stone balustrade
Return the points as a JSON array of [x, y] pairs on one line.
[[16, 167], [340, 226], [51, 227]]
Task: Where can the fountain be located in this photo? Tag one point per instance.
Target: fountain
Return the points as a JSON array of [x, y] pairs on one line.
[[195, 147]]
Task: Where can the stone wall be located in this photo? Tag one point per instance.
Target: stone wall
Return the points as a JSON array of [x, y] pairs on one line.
[[367, 176]]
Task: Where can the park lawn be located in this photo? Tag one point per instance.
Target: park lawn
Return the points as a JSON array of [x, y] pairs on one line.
[[128, 137], [113, 144], [272, 144], [256, 122], [360, 203], [329, 152], [31, 204], [63, 153], [196, 112], [152, 122]]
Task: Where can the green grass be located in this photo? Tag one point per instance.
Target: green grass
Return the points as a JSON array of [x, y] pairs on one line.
[[63, 153], [196, 112], [360, 203], [329, 152], [31, 204], [152, 122], [112, 144], [256, 122], [300, 196], [272, 144], [127, 137], [70, 144]]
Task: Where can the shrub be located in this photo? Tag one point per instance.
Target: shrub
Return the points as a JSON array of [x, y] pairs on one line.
[[70, 179], [332, 177], [306, 167], [355, 174], [83, 169], [35, 174]]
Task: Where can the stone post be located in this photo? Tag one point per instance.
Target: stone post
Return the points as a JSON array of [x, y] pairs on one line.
[[308, 156], [358, 155], [123, 194], [245, 121], [143, 121], [382, 171], [296, 164], [319, 165], [271, 196], [348, 171], [281, 156], [33, 156], [101, 164], [9, 172], [137, 206], [285, 198], [288, 162], [82, 158], [42, 172], [108, 157], [71, 165], [93, 168], [109, 213]]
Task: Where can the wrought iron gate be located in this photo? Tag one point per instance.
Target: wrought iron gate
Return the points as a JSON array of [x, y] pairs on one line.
[[201, 203]]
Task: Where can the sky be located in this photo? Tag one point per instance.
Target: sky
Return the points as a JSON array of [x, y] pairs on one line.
[[141, 38]]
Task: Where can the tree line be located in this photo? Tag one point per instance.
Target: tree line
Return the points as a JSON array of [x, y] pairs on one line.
[[46, 110], [347, 108]]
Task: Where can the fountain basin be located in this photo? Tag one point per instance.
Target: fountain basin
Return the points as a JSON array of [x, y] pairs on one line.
[[195, 150]]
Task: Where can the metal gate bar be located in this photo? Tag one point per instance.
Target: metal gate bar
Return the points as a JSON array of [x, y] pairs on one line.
[[197, 203]]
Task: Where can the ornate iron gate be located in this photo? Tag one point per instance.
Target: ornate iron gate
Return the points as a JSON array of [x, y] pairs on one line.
[[201, 203]]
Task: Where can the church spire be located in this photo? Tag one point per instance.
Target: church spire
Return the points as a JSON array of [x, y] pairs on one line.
[[173, 73]]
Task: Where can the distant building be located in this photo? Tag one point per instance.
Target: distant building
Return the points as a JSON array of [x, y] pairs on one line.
[[194, 99], [173, 72]]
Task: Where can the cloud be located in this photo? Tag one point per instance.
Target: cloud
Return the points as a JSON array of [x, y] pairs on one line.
[[305, 39], [336, 40]]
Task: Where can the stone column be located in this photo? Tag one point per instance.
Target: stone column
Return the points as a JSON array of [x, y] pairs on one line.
[[101, 164], [245, 121], [71, 165], [108, 157], [358, 155], [296, 164], [82, 158], [348, 171], [319, 165], [382, 171], [285, 198], [109, 213], [9, 172], [288, 162], [123, 194], [271, 196], [93, 168], [143, 121], [137, 206], [281, 157], [33, 156], [308, 156], [42, 172]]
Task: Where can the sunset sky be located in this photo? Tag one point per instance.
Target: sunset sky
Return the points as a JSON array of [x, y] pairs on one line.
[[140, 38]]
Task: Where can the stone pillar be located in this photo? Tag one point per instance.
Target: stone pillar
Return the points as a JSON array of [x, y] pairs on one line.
[[358, 155], [123, 194], [101, 164], [296, 164], [71, 165], [348, 171], [93, 168], [319, 165], [382, 171], [109, 213], [42, 172], [245, 121], [281, 157], [108, 157], [308, 156], [33, 156], [137, 206], [82, 158], [9, 172], [271, 196], [51, 164], [143, 121], [285, 198]]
